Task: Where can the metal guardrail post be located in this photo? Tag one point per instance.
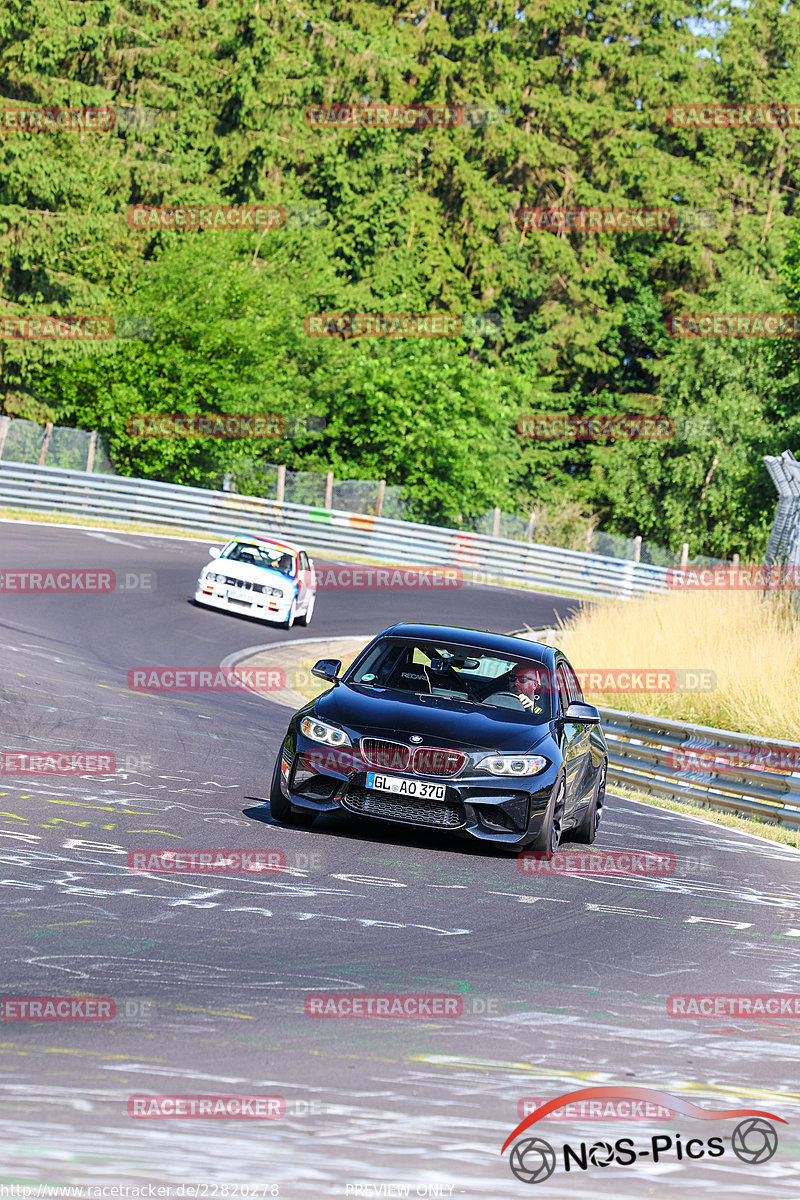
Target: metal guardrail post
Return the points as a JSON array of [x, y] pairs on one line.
[[731, 770]]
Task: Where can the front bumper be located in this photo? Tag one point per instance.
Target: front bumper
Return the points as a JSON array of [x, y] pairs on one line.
[[242, 600], [489, 808]]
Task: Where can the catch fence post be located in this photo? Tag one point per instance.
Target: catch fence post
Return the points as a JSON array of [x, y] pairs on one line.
[[48, 433]]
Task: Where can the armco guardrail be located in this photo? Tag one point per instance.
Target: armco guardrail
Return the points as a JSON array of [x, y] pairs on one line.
[[324, 531], [704, 765], [657, 756]]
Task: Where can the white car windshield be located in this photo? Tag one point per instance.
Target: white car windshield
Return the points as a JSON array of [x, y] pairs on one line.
[[257, 555]]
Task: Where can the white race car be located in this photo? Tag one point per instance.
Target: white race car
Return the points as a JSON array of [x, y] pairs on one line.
[[273, 581]]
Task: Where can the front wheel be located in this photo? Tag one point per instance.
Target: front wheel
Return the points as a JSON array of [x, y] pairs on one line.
[[549, 836], [587, 830], [289, 622], [281, 808], [306, 617]]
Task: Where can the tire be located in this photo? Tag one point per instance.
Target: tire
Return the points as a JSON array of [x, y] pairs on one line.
[[587, 830], [289, 622], [282, 809], [549, 836], [306, 617]]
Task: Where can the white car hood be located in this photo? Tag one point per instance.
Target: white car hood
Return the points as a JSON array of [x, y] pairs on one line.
[[249, 573]]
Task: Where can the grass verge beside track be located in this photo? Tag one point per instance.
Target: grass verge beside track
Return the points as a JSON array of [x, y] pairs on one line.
[[748, 643]]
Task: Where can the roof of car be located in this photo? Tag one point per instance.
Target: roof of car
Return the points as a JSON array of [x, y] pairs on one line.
[[501, 643], [287, 547]]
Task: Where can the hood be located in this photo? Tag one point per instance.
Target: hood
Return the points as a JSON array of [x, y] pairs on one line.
[[250, 573], [438, 721]]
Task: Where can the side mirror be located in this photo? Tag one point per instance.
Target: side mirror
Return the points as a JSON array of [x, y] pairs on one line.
[[582, 714], [215, 551], [328, 669]]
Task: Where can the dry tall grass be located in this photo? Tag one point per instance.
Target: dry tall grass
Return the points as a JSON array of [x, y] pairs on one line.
[[751, 643]]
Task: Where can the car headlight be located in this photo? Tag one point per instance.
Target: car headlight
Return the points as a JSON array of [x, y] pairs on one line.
[[319, 731], [210, 577], [513, 764]]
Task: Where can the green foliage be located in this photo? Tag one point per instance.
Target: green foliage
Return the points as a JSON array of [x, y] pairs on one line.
[[417, 221]]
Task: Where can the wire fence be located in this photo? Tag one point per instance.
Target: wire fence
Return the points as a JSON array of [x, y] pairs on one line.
[[25, 441], [53, 446], [371, 497]]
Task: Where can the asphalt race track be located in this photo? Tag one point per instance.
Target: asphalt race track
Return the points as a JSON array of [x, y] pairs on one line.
[[563, 979]]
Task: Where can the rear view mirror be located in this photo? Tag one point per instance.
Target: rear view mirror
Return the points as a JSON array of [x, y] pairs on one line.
[[327, 669], [582, 714], [215, 551]]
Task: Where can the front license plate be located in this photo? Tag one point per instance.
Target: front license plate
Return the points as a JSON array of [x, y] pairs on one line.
[[406, 787]]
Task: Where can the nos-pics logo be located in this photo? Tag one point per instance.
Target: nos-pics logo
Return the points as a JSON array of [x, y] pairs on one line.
[[533, 1160]]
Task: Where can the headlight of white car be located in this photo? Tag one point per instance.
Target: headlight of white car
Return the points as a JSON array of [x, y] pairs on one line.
[[319, 731], [513, 764]]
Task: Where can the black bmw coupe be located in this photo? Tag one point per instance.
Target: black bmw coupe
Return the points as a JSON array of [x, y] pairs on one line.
[[480, 733]]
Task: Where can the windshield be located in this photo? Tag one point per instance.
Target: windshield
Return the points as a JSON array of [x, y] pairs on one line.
[[465, 673], [259, 555]]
